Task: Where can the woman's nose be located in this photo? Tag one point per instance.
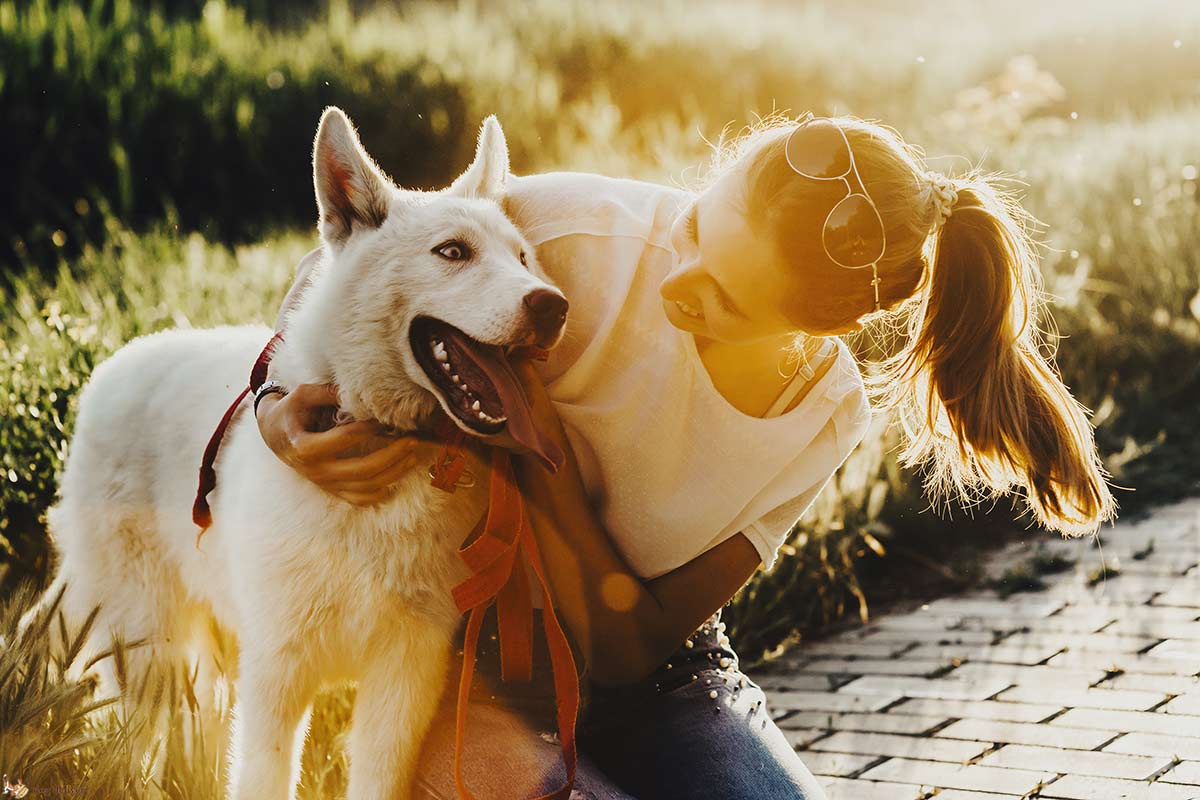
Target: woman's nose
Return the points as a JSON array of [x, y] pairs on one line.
[[675, 284]]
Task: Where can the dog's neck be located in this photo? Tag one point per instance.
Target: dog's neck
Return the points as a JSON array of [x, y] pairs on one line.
[[308, 354]]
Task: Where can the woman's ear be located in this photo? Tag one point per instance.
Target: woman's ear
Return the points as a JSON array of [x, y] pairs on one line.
[[351, 190], [488, 173]]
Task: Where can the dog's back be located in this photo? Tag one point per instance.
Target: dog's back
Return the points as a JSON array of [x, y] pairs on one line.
[[122, 527]]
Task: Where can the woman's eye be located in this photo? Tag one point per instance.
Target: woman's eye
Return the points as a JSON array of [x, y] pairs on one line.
[[453, 251]]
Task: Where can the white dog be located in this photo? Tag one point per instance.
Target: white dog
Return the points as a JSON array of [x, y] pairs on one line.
[[417, 297]]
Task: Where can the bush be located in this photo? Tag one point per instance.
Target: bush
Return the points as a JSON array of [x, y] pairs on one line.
[[117, 112]]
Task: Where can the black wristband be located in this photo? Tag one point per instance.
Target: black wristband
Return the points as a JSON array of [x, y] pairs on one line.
[[268, 387]]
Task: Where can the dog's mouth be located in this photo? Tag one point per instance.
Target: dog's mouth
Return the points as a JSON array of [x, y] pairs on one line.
[[477, 385]]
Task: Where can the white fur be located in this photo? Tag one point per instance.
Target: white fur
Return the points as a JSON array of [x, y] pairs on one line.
[[314, 589]]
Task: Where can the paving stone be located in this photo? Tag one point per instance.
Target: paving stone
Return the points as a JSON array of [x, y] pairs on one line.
[[942, 637], [1077, 762], [960, 794], [1130, 721], [918, 621], [1154, 744], [1049, 677], [1126, 663], [936, 688], [1082, 787], [1028, 733], [829, 701], [875, 666], [1184, 704], [1134, 590], [800, 738], [1163, 629], [1171, 684], [845, 789], [1185, 772], [1172, 649], [1134, 612], [1088, 642], [798, 682], [885, 744], [956, 776], [970, 607], [1127, 700], [876, 723], [1185, 593], [1079, 625], [839, 649], [835, 764], [978, 709], [995, 654]]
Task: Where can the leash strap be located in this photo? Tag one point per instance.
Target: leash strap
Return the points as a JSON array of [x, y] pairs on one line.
[[201, 513], [505, 539]]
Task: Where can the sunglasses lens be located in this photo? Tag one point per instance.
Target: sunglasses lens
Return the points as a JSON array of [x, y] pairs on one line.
[[818, 150], [853, 234]]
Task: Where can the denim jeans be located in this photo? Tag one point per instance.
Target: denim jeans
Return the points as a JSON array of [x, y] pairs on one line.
[[695, 728]]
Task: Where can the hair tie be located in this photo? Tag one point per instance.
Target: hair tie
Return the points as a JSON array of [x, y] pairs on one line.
[[943, 195]]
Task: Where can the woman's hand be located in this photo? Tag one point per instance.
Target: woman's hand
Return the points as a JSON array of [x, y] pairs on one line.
[[359, 462]]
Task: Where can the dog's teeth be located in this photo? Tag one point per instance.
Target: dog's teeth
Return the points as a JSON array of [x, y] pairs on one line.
[[446, 366], [457, 380], [475, 406], [482, 415]]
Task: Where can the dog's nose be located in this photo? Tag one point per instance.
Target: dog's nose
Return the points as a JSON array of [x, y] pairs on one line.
[[548, 311]]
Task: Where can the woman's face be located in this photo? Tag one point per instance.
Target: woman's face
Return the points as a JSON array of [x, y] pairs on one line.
[[727, 283]]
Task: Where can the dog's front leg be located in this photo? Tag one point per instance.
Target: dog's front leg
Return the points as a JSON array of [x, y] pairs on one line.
[[398, 693], [274, 694]]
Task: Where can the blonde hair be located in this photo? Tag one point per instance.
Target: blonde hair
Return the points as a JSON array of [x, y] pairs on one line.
[[980, 407]]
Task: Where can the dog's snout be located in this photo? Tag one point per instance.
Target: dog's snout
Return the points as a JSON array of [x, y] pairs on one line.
[[548, 311]]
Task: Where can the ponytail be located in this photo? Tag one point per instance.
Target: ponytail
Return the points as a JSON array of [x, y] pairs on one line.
[[980, 405]]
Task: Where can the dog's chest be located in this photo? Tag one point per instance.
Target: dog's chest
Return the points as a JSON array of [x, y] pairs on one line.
[[394, 561]]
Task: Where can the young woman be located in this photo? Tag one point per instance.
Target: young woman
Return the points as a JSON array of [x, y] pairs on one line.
[[704, 400]]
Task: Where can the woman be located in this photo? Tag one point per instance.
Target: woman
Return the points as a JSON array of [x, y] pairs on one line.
[[706, 401]]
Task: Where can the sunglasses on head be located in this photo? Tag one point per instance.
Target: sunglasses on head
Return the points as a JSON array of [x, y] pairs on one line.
[[853, 234]]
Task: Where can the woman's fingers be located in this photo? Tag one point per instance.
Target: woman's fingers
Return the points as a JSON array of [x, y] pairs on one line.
[[363, 437], [372, 466], [382, 482]]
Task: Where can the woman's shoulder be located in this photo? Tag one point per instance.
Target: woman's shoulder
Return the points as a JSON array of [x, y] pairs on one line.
[[553, 204]]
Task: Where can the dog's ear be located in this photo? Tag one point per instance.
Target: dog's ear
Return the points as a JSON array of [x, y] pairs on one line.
[[488, 173], [351, 190]]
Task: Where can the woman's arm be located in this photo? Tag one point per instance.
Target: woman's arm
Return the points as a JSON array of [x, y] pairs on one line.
[[625, 626]]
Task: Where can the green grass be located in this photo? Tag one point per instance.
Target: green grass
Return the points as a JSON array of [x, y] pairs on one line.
[[164, 181]]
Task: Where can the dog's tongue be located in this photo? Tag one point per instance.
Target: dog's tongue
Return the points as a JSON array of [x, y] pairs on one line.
[[520, 425]]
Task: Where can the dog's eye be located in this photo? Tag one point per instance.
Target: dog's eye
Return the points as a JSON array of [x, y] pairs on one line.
[[524, 262], [453, 251]]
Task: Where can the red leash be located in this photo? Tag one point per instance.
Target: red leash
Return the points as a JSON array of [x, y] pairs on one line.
[[201, 513], [505, 541]]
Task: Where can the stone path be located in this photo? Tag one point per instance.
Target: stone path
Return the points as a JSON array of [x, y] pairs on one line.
[[1086, 690]]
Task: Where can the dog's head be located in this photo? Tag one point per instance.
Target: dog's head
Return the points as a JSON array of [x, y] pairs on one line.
[[421, 294]]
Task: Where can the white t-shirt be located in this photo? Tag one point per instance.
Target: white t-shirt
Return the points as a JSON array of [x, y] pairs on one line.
[[671, 467]]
